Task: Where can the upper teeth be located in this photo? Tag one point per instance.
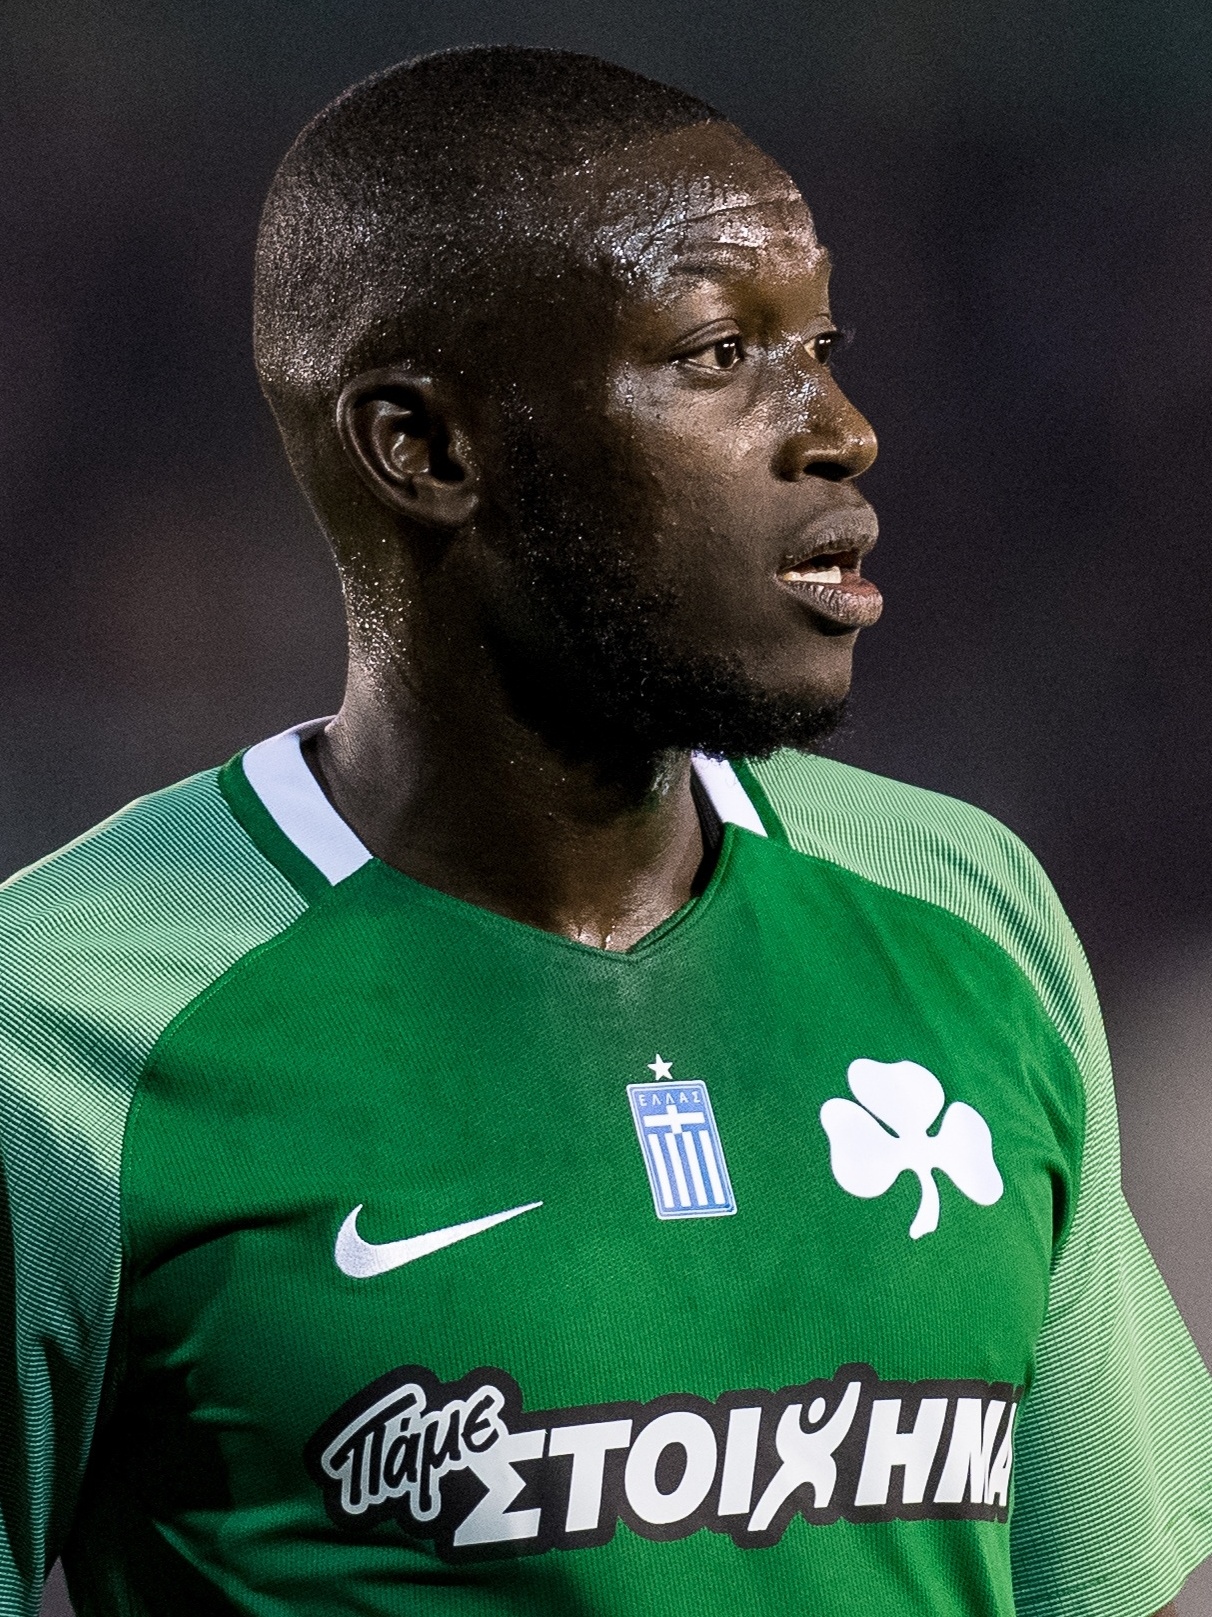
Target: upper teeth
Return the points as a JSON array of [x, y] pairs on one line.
[[814, 575]]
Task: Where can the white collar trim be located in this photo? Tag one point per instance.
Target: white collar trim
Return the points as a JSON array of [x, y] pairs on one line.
[[278, 773], [728, 797]]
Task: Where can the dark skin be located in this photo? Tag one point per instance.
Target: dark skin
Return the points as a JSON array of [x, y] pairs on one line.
[[714, 367]]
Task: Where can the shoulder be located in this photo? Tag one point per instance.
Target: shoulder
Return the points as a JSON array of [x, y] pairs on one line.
[[834, 810], [105, 941], [941, 851], [922, 843], [101, 945], [170, 883]]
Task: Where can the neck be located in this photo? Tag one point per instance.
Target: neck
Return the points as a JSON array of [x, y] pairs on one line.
[[458, 794]]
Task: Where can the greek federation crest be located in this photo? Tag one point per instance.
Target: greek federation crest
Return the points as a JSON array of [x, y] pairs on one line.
[[681, 1145]]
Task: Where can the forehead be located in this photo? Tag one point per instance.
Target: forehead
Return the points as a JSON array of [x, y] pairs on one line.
[[700, 200]]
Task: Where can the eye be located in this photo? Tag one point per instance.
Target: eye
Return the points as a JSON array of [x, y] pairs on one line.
[[825, 346], [724, 355]]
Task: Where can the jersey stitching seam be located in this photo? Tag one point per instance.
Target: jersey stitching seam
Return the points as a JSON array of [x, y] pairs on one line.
[[317, 886], [991, 942], [138, 1096], [435, 899], [759, 797]]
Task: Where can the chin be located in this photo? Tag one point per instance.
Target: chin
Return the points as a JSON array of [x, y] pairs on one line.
[[729, 718], [769, 726]]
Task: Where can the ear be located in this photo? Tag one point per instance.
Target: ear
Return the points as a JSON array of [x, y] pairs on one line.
[[402, 437]]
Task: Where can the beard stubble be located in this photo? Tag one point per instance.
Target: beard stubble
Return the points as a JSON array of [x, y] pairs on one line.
[[588, 650]]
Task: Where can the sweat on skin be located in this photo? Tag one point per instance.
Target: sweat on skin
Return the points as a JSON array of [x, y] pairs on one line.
[[364, 1252]]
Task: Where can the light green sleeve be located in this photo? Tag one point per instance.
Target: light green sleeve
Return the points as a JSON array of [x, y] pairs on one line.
[[1113, 1492], [101, 945]]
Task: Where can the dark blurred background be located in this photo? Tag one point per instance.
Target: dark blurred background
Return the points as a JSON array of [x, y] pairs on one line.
[[1019, 199]]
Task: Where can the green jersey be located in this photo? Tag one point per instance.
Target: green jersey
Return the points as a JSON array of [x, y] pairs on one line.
[[368, 1252]]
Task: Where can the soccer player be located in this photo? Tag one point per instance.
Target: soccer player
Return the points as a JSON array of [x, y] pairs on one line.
[[546, 1140]]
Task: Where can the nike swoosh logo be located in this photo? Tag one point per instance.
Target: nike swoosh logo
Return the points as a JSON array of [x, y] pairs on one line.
[[361, 1259]]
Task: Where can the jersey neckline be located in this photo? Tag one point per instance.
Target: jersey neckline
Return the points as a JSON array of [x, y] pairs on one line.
[[276, 796], [293, 798]]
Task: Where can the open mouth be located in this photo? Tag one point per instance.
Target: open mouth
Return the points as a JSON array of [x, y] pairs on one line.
[[831, 567], [830, 582]]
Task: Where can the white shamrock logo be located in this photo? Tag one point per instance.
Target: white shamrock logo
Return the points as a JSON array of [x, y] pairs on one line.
[[866, 1158]]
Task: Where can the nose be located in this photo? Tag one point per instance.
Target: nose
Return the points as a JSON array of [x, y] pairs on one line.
[[829, 439]]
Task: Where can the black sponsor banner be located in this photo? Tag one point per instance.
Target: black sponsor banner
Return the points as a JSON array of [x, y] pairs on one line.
[[463, 1464]]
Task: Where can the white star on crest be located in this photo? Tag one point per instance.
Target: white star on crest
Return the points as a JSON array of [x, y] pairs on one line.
[[661, 1069]]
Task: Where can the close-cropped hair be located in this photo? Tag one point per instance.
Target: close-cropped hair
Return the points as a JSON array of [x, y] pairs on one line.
[[407, 212]]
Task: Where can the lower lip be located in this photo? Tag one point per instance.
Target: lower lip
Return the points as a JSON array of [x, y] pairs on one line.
[[855, 603]]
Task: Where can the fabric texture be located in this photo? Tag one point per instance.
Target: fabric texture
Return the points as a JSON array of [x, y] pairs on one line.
[[1114, 1451], [102, 944], [219, 1071]]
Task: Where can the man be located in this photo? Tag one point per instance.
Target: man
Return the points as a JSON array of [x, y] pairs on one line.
[[486, 1152]]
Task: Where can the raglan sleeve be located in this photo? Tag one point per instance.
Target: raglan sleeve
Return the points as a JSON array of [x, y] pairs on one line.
[[102, 945], [1112, 1503], [58, 1289], [1113, 1469]]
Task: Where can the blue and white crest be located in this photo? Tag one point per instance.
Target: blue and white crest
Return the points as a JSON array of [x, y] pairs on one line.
[[681, 1147]]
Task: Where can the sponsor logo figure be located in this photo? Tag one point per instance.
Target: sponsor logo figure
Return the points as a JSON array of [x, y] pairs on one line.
[[872, 1144]]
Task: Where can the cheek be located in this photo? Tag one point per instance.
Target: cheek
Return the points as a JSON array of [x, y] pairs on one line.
[[717, 525], [720, 530], [715, 478]]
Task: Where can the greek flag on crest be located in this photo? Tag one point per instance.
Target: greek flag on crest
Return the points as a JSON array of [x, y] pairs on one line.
[[681, 1147]]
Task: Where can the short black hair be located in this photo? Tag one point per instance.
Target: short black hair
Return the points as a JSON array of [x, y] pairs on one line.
[[402, 207]]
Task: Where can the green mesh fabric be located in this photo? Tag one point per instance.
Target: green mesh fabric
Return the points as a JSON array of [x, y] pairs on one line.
[[102, 944], [108, 941], [1113, 1502]]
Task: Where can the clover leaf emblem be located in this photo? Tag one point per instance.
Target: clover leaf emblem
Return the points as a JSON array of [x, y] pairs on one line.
[[873, 1143]]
